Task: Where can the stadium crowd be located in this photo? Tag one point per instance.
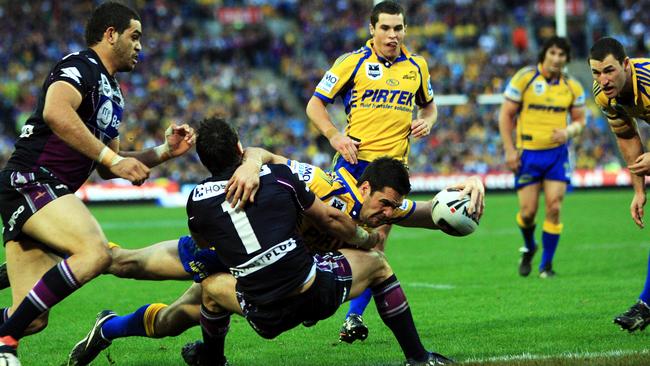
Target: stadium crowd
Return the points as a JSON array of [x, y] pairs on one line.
[[261, 70]]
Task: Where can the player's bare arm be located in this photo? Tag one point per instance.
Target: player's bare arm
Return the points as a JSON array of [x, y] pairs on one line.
[[243, 184], [507, 123], [574, 129], [178, 140], [427, 117], [347, 147], [342, 226], [629, 143], [59, 112]]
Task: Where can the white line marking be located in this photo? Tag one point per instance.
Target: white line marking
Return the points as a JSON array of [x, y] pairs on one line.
[[435, 286], [569, 355]]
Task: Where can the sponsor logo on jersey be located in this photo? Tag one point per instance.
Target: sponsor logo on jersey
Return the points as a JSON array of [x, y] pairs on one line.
[[105, 115], [412, 75], [429, 87], [14, 217], [328, 82], [547, 108], [26, 131], [105, 86], [209, 190], [304, 171], [539, 87], [392, 82], [72, 73], [392, 99], [338, 204], [374, 71], [264, 259]]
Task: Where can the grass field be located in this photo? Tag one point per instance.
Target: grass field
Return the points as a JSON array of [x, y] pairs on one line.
[[467, 299]]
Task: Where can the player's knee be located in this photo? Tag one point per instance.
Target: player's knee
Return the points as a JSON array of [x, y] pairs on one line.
[[121, 265], [95, 259], [380, 264]]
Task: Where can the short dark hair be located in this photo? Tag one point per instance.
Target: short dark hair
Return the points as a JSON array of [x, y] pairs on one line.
[[607, 46], [216, 145], [559, 42], [387, 172], [109, 14], [386, 7]]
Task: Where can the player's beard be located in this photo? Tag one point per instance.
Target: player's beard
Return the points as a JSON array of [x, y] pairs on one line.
[[123, 55]]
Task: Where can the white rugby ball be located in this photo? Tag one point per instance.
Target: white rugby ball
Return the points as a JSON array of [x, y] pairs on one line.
[[450, 214]]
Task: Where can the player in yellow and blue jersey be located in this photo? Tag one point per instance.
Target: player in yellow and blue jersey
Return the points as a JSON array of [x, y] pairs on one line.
[[538, 102], [380, 85], [622, 91]]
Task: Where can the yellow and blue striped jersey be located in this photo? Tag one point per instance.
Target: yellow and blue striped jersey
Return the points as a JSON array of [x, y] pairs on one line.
[[379, 98], [544, 105], [613, 109], [339, 190]]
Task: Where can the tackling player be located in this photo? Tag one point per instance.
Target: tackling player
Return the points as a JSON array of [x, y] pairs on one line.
[[170, 260], [73, 130], [380, 85], [621, 89], [538, 102]]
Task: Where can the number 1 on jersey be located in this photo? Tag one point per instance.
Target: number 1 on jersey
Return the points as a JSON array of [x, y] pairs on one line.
[[243, 228]]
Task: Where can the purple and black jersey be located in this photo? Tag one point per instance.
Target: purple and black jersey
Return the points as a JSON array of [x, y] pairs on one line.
[[100, 110], [260, 244]]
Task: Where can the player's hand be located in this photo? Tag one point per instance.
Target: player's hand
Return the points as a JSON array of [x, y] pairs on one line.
[[375, 238], [636, 209], [420, 128], [243, 184], [473, 187], [512, 160], [560, 135], [130, 169], [179, 139], [347, 147], [641, 166]]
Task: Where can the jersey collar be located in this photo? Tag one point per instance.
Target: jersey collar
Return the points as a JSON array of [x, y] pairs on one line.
[[350, 184], [404, 54], [551, 81]]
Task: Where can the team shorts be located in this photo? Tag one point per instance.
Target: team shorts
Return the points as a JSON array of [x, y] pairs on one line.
[[355, 169], [539, 165], [24, 193], [329, 290], [200, 263]]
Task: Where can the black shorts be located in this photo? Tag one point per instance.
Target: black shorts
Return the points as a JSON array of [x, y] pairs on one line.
[[24, 193], [330, 289]]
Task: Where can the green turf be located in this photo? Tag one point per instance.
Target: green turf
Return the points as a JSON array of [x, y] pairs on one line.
[[467, 299]]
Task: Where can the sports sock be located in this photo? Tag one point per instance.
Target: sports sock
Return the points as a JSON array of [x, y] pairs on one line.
[[214, 327], [358, 304], [395, 313], [139, 323], [645, 294], [528, 232], [550, 239], [55, 285]]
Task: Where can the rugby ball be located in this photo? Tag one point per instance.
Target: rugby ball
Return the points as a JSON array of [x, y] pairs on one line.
[[450, 214]]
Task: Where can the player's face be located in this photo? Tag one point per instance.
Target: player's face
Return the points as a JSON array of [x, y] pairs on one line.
[[378, 207], [554, 60], [388, 34], [128, 46], [610, 75]]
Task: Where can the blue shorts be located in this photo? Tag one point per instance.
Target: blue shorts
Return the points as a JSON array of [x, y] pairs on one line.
[[539, 165], [200, 263], [330, 289], [355, 169]]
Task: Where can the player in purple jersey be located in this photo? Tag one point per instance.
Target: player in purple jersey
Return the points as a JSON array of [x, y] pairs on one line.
[[73, 131], [274, 282]]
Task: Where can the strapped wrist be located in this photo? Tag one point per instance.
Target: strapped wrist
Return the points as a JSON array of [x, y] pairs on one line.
[[108, 157], [163, 152]]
